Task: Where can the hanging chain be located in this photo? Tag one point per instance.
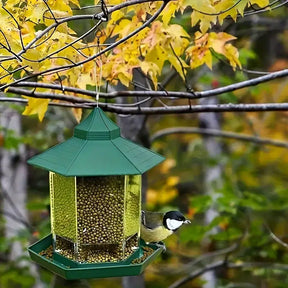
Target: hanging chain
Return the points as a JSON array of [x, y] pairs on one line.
[[98, 76], [102, 17]]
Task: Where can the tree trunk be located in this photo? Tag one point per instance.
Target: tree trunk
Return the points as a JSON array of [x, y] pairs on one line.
[[212, 174], [13, 170], [13, 184]]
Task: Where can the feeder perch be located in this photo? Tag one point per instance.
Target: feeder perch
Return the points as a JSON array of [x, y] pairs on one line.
[[95, 200]]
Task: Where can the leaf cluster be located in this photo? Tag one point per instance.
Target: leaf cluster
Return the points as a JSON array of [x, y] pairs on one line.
[[39, 44]]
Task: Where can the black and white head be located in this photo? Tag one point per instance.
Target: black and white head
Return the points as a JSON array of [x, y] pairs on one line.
[[173, 220]]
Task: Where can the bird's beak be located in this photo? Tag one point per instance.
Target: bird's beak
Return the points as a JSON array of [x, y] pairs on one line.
[[187, 221]]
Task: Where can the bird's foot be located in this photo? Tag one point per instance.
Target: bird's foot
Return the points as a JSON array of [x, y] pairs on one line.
[[161, 245]]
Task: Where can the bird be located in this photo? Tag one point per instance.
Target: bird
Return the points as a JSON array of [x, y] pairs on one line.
[[157, 226]]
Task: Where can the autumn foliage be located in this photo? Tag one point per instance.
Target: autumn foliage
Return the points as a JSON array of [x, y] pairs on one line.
[[38, 42]]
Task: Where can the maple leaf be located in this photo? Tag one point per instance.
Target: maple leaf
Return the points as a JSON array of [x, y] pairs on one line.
[[260, 3], [158, 55], [170, 10], [166, 43], [199, 56], [200, 53], [229, 7], [232, 54], [218, 42], [36, 106], [152, 70], [203, 12]]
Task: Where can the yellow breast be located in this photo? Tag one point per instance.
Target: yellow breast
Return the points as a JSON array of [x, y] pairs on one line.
[[156, 235]]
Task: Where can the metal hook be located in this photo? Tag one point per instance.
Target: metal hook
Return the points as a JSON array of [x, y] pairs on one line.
[[105, 13]]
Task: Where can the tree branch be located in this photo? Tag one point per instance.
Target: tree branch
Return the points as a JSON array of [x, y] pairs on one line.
[[164, 94], [228, 265], [196, 108], [218, 133], [119, 109], [197, 273]]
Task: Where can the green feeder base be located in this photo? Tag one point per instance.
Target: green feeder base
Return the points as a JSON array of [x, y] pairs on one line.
[[71, 270]]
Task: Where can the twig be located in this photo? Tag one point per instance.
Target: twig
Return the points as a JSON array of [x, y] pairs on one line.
[[71, 43], [197, 273], [228, 265], [218, 133], [275, 238]]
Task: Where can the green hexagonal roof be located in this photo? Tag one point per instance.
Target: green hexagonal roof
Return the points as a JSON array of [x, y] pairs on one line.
[[97, 149]]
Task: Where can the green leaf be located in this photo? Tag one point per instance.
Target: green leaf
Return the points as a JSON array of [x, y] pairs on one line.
[[200, 203], [231, 233], [193, 233], [254, 201]]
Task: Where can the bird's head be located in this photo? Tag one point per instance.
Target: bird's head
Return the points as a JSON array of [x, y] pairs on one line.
[[173, 220]]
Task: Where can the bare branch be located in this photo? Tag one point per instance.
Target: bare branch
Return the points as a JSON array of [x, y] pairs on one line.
[[218, 133], [197, 108], [165, 94], [82, 103], [42, 95], [275, 238], [228, 265], [197, 273]]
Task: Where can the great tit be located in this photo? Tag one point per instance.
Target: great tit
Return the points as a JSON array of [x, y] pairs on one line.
[[157, 226]]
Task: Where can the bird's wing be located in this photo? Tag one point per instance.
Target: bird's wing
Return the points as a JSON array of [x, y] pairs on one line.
[[152, 219]]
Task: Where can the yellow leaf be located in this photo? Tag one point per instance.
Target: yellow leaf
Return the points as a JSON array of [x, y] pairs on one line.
[[241, 6], [231, 53], [205, 20], [36, 106], [155, 35], [157, 55], [167, 165], [179, 38], [178, 63], [83, 80], [35, 11], [110, 2], [200, 54], [124, 79], [168, 12], [77, 112], [217, 41], [201, 11], [260, 3], [117, 15], [228, 6], [152, 70], [75, 2], [200, 6], [172, 180], [31, 58]]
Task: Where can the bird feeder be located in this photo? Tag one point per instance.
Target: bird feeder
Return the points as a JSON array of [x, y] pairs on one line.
[[95, 200]]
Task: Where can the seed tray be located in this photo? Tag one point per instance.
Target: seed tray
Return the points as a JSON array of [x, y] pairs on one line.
[[72, 270]]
